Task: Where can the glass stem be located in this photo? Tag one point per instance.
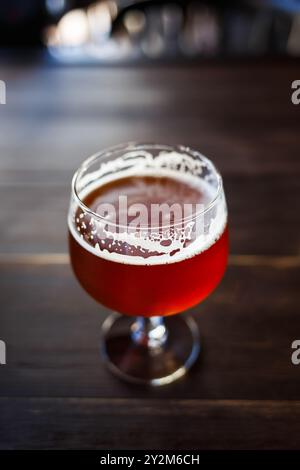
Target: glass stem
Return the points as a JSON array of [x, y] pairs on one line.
[[149, 332]]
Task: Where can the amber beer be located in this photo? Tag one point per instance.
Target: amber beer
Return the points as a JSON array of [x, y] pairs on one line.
[[134, 283]]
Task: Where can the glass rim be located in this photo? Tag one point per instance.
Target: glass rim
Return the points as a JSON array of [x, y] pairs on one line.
[[144, 146]]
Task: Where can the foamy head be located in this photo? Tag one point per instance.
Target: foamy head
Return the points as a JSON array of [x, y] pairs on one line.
[[149, 245]]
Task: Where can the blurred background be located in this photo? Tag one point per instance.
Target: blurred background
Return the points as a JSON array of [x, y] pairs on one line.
[[111, 31]]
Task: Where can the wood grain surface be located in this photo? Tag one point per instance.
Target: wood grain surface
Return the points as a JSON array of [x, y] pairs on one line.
[[244, 392]]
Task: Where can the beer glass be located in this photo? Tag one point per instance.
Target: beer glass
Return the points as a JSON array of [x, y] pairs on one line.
[[148, 265]]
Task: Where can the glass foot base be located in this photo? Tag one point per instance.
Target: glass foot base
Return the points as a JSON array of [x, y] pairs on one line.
[[139, 363]]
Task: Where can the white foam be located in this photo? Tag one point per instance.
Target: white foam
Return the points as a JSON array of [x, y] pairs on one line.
[[215, 216]]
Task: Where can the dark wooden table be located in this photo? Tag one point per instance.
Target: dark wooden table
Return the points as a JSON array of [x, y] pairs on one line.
[[244, 392]]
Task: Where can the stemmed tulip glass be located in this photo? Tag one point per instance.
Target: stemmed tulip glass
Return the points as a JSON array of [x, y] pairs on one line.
[[147, 274]]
